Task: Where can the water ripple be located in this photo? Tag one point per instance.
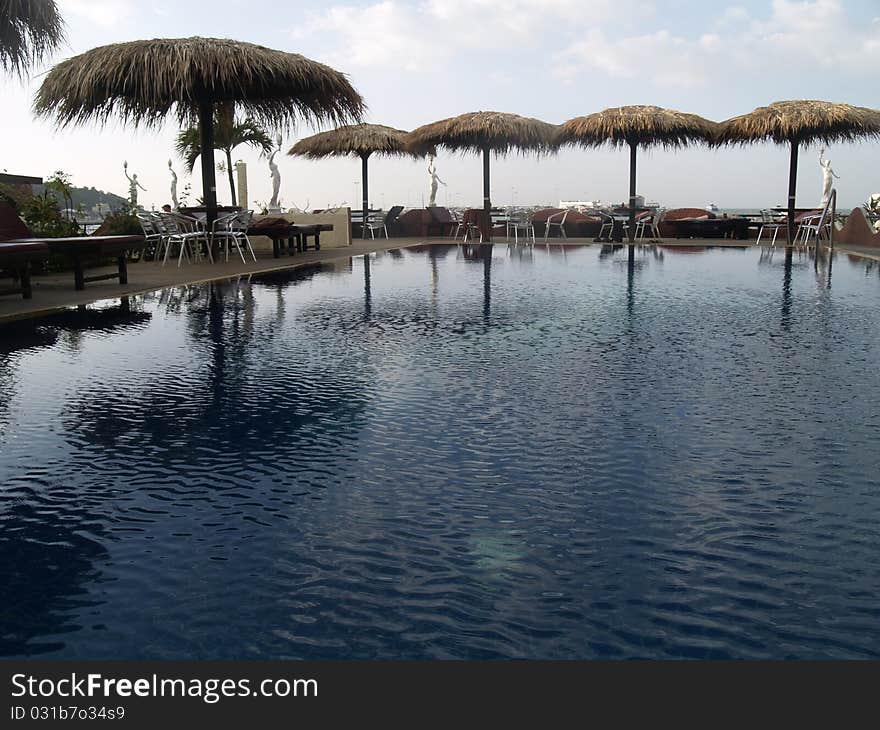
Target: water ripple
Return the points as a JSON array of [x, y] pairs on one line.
[[467, 454]]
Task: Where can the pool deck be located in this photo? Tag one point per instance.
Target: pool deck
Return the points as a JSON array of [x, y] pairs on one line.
[[55, 291]]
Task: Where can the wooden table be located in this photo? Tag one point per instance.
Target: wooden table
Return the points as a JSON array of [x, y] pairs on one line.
[[291, 237], [88, 249], [17, 255]]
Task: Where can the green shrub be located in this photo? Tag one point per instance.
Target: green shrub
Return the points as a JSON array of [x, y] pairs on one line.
[[120, 223], [44, 217]]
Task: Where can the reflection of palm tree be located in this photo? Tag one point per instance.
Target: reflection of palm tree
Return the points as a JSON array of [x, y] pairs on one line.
[[229, 133]]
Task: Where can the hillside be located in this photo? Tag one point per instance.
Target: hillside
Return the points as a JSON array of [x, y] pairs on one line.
[[88, 198]]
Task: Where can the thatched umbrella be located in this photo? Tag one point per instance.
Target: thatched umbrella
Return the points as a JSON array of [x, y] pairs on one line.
[[356, 139], [797, 122], [636, 126], [29, 29], [485, 132], [142, 81]]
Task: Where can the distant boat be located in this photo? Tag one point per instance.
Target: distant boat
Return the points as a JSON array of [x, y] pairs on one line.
[[712, 208]]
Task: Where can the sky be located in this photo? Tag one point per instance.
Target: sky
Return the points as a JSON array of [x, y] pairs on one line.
[[417, 62]]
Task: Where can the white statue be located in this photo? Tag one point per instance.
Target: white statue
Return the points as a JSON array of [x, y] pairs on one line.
[[173, 186], [433, 179], [133, 185], [828, 176], [276, 176]]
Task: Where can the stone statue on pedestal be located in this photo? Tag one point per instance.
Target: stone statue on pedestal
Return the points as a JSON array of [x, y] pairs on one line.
[[433, 179], [828, 176], [133, 186], [276, 177], [175, 204]]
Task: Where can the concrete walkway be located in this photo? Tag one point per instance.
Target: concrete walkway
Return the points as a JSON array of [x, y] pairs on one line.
[[55, 291]]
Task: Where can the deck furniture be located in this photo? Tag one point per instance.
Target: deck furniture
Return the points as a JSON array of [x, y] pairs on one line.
[[84, 250], [232, 228], [520, 221], [291, 237], [650, 222], [556, 220], [770, 223], [17, 257]]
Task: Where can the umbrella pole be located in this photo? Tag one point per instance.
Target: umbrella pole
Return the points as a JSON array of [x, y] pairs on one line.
[[366, 200], [631, 233], [209, 182], [487, 203], [792, 184]]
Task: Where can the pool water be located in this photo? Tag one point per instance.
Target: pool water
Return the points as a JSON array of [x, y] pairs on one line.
[[452, 453]]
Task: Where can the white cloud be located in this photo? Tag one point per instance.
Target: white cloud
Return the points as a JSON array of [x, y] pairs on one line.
[[106, 13], [801, 37], [420, 37], [660, 57]]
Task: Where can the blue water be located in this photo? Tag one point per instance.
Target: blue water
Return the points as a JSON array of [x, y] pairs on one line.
[[540, 454]]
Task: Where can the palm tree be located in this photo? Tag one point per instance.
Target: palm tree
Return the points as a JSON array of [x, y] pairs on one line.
[[229, 133]]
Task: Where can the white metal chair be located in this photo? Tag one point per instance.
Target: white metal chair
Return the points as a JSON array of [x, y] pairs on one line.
[[520, 220], [455, 224], [376, 221], [188, 233], [153, 236], [769, 223], [232, 229], [810, 228], [650, 222], [556, 220]]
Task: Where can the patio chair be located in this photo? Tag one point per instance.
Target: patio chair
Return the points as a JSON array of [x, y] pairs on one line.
[[769, 223], [650, 222], [153, 236], [188, 233], [556, 220], [456, 224], [809, 229], [232, 229], [520, 220], [376, 222]]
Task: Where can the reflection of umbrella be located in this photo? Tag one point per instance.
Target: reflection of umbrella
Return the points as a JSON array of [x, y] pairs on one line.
[[800, 122], [358, 139], [635, 126], [497, 132], [141, 81], [28, 31]]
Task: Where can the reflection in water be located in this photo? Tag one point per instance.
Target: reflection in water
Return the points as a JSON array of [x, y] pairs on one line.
[[785, 320], [368, 302], [49, 548], [666, 475]]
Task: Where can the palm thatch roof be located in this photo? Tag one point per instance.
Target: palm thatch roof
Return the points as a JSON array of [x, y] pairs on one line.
[[637, 125], [355, 139], [802, 120], [29, 29], [499, 132], [140, 82]]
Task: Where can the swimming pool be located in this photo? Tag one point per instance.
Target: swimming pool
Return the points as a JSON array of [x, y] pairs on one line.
[[440, 453]]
